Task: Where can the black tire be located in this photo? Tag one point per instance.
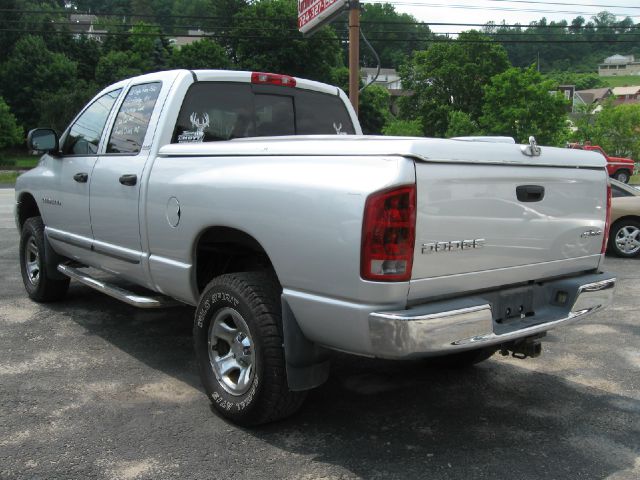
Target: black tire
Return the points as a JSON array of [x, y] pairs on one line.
[[250, 303], [620, 247], [463, 359], [38, 284], [622, 176]]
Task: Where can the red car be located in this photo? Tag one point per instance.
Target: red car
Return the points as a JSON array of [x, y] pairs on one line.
[[619, 168]]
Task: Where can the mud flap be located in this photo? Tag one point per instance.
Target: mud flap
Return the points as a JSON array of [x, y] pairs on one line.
[[307, 363], [52, 260]]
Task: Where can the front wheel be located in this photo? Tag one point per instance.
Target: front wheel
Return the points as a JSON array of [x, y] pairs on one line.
[[38, 284], [238, 342], [624, 238], [622, 176]]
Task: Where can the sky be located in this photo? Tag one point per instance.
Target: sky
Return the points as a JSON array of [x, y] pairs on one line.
[[521, 11]]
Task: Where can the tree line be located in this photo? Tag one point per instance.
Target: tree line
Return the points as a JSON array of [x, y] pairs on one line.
[[478, 83]]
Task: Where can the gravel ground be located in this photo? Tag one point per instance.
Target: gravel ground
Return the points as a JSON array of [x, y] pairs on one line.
[[91, 388]]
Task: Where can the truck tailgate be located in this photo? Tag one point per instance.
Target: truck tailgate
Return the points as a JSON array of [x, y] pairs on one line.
[[474, 232]]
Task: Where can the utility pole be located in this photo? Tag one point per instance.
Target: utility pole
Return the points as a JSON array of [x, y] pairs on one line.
[[354, 53]]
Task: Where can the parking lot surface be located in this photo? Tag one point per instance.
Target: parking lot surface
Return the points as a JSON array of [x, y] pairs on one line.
[[92, 388]]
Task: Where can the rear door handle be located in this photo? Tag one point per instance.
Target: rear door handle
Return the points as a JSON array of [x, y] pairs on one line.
[[129, 179], [81, 177], [530, 193]]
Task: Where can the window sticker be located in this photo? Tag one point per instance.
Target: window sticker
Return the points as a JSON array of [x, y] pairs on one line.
[[199, 125], [338, 129]]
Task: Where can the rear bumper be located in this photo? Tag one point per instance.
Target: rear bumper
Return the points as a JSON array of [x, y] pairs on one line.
[[467, 323]]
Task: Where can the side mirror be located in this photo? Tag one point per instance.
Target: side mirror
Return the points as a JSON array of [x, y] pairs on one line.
[[43, 140]]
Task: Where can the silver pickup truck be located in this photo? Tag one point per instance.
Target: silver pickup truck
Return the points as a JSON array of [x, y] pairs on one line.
[[255, 198]]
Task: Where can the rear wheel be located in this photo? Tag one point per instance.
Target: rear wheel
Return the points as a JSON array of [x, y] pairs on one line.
[[39, 286], [238, 342], [622, 176], [624, 238]]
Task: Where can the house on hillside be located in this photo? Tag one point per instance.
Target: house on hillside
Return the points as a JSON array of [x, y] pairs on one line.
[[388, 78], [619, 65], [83, 25], [591, 98], [191, 37], [627, 94]]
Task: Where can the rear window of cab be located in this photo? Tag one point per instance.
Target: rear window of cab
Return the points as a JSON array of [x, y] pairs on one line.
[[215, 111]]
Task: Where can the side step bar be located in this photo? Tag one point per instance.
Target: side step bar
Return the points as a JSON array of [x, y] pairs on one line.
[[117, 292]]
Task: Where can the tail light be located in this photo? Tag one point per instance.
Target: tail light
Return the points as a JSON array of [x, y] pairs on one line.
[[273, 79], [388, 235], [607, 223]]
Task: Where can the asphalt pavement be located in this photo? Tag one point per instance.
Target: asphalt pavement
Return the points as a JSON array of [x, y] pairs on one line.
[[94, 389]]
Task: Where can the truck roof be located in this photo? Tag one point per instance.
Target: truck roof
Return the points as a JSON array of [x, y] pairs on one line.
[[217, 76]]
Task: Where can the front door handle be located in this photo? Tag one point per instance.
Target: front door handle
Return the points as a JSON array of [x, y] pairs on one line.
[[81, 177], [129, 179]]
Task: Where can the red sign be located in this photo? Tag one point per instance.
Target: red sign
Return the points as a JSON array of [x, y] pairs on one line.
[[312, 14]]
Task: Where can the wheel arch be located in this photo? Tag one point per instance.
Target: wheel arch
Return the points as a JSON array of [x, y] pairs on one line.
[[633, 218], [614, 225], [220, 249], [26, 207]]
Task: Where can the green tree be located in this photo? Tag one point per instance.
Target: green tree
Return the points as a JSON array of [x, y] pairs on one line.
[[450, 76], [10, 132], [115, 66], [461, 125], [582, 81], [201, 54], [268, 40], [145, 51], [57, 109], [374, 101], [616, 128], [373, 112], [403, 128], [394, 36], [33, 70], [520, 103]]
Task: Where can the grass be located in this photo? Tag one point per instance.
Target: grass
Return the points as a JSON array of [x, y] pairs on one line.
[[621, 81], [8, 178], [634, 180], [18, 160]]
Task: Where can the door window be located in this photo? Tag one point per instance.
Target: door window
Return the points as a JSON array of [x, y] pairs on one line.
[[133, 118], [85, 133]]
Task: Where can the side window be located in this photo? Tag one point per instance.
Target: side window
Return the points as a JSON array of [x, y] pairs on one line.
[[274, 116], [85, 133], [133, 118], [215, 111], [619, 192]]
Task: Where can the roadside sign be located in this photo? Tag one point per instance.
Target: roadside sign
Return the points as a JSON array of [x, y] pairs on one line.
[[314, 14]]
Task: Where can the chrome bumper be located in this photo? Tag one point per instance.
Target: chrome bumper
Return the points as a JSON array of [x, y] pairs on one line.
[[410, 333]]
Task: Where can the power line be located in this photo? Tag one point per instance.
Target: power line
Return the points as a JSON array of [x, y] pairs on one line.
[[340, 30], [531, 26], [288, 19], [500, 9], [433, 39], [565, 4]]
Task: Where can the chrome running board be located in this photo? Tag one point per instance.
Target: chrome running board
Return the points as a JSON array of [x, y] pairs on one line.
[[117, 292]]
